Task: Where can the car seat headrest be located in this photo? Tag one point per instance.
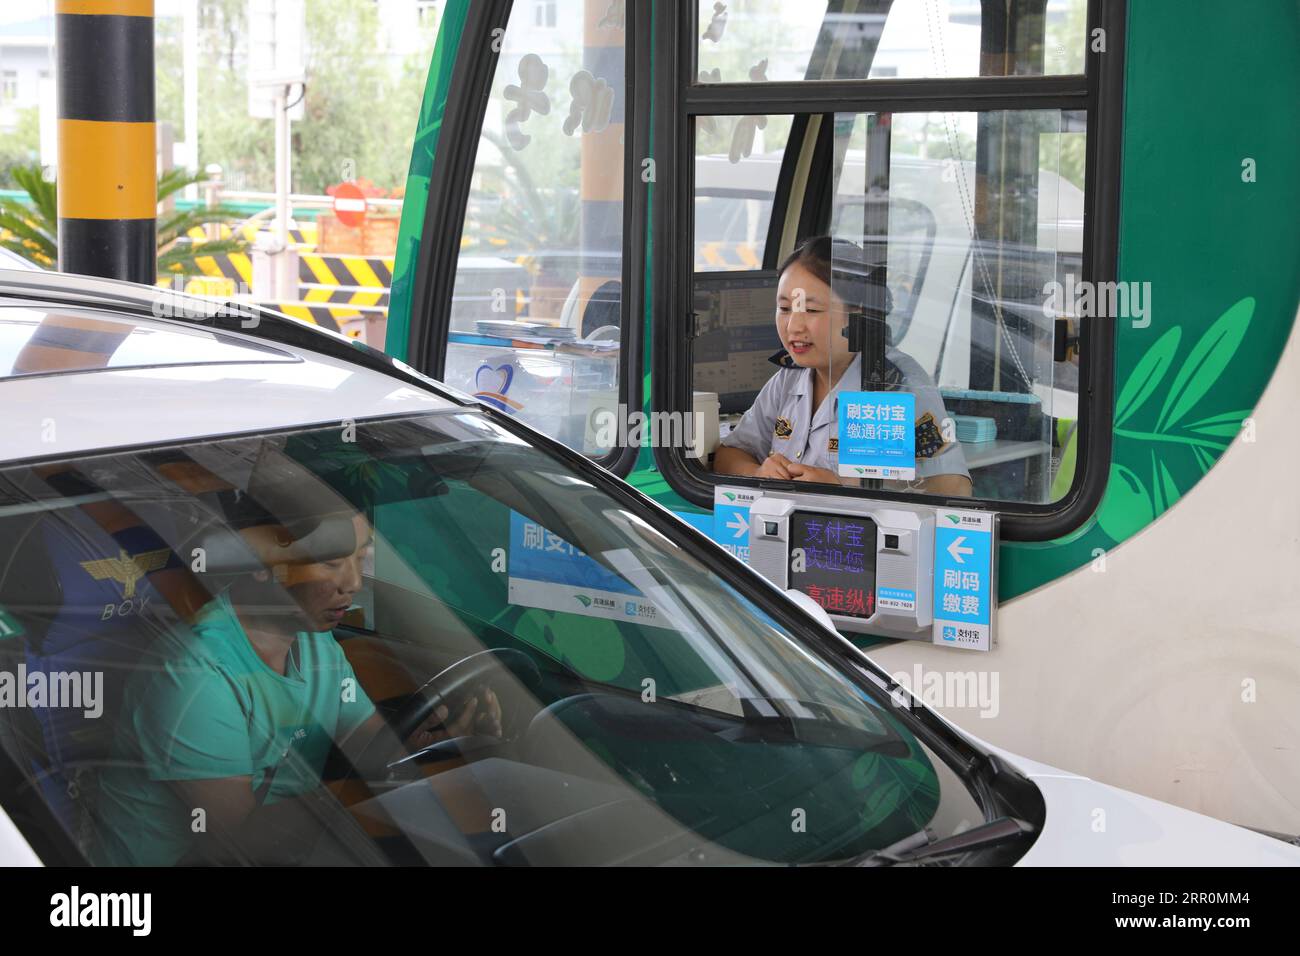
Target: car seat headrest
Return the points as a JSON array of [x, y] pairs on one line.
[[29, 585]]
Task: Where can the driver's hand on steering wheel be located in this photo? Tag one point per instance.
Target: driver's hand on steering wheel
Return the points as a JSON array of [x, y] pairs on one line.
[[480, 714]]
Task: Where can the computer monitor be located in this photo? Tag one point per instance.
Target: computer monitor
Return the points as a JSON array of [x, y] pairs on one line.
[[735, 335]]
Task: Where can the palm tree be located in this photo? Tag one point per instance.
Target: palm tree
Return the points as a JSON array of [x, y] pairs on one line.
[[175, 250], [32, 231]]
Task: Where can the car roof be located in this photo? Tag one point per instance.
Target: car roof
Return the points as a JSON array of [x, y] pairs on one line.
[[90, 364], [12, 260]]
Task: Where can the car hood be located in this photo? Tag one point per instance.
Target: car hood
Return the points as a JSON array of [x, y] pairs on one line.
[[1094, 824]]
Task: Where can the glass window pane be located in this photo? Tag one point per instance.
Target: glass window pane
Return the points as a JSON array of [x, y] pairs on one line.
[[737, 165], [958, 238], [756, 40], [537, 304], [738, 162], [1003, 196], [638, 695]]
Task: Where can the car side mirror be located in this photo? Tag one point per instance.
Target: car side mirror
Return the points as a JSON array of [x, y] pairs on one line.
[[813, 608]]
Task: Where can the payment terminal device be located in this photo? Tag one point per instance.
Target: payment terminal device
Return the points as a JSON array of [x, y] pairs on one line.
[[874, 569]]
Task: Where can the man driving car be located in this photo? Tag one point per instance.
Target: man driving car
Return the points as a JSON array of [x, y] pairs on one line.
[[253, 695]]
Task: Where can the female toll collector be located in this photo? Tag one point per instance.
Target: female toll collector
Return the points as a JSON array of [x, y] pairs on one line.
[[790, 433]]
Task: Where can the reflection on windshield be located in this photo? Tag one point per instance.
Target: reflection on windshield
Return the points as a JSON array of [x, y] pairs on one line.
[[518, 669]]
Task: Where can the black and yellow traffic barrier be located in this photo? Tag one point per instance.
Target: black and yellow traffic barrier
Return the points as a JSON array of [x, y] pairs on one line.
[[320, 315], [108, 184], [727, 255], [322, 278], [336, 295], [304, 237], [329, 269], [236, 267]]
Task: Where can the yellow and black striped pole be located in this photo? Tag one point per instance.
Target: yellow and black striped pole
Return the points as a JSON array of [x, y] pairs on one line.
[[107, 186], [600, 187]]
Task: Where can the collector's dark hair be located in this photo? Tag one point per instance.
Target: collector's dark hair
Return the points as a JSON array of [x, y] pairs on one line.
[[842, 265]]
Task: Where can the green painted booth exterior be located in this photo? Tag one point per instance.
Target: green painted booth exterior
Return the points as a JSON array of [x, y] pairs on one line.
[[1222, 255]]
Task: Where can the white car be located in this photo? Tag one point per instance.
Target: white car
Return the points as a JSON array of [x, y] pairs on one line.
[[176, 485], [12, 260]]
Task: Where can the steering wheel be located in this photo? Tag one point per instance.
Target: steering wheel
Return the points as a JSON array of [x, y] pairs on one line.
[[457, 678]]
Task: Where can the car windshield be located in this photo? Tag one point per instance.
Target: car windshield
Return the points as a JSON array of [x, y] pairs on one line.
[[643, 709]]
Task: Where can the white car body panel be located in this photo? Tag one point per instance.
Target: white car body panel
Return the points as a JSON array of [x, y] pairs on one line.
[[1138, 831], [1094, 824], [14, 850]]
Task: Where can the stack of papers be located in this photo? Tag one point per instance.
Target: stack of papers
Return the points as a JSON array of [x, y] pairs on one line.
[[532, 331], [973, 429]]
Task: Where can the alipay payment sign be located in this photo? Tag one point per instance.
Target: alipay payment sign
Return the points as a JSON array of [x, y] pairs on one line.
[[963, 578], [877, 435], [548, 572]]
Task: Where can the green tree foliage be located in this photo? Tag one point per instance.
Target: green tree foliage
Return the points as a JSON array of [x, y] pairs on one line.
[[360, 104], [175, 253], [32, 230], [20, 148]]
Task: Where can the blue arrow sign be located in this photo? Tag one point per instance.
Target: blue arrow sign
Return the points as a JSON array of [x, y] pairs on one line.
[[963, 578]]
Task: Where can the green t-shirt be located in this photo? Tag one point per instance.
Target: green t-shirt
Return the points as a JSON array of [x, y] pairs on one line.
[[215, 709]]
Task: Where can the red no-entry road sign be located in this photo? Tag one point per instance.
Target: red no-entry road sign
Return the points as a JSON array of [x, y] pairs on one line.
[[350, 204]]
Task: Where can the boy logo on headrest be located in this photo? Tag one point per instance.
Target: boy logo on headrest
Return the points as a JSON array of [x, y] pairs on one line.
[[127, 569]]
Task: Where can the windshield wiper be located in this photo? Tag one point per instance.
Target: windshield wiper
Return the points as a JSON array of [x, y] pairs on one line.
[[919, 846]]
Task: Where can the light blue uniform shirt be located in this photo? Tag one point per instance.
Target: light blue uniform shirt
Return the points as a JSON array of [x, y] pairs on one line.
[[782, 419]]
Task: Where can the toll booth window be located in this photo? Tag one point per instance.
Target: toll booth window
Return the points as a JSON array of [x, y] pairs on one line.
[[772, 40], [945, 233], [537, 300]]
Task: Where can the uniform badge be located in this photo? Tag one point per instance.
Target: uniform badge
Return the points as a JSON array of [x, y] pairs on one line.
[[782, 359], [929, 440], [833, 445], [783, 428]]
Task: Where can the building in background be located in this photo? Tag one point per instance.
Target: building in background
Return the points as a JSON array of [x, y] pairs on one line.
[[26, 58], [404, 21]]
